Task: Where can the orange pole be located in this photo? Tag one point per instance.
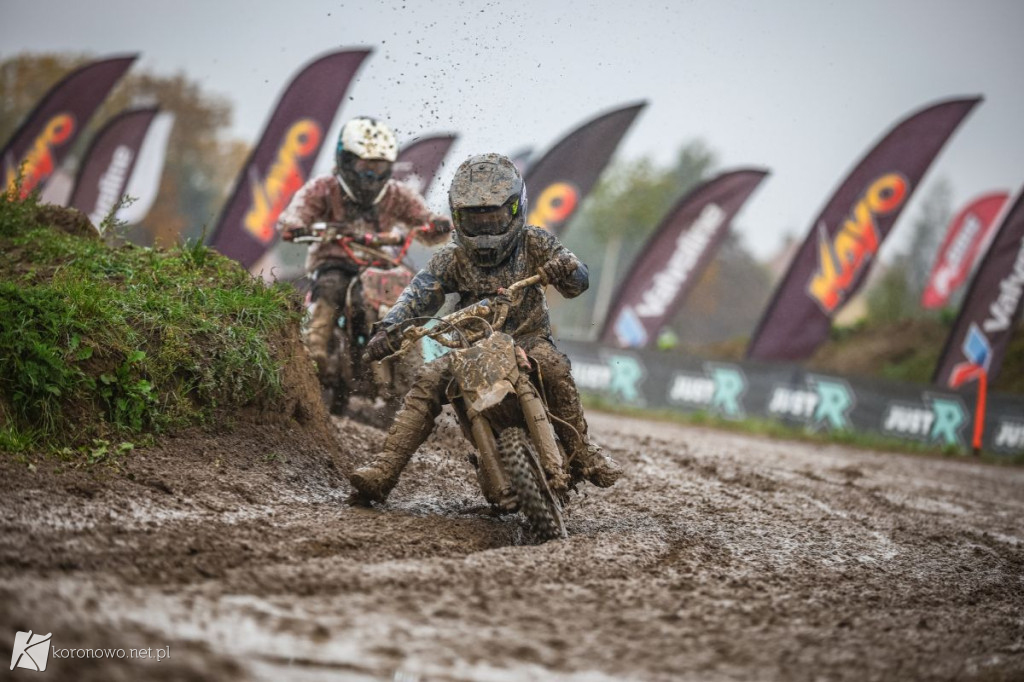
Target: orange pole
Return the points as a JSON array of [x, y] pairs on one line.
[[979, 411]]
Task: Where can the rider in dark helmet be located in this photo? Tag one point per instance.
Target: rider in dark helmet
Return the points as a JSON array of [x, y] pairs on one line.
[[488, 204], [361, 197], [491, 249]]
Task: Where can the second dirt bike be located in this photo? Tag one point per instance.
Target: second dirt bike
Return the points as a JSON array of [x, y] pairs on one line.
[[383, 275], [498, 399]]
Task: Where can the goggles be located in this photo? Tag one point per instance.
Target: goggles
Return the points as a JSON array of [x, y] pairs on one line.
[[372, 169], [478, 221]]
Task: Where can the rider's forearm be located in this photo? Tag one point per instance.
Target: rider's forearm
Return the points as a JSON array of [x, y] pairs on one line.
[[577, 283], [423, 296]]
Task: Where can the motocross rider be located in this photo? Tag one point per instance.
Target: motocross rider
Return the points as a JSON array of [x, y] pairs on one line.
[[361, 196], [492, 248]]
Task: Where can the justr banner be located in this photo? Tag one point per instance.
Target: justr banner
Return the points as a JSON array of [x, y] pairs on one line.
[[792, 395]]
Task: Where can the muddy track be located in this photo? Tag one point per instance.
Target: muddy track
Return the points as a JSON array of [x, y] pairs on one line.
[[719, 557]]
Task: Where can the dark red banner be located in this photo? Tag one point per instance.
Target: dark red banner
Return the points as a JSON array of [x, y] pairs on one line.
[[419, 161], [991, 310], [674, 258], [108, 164], [559, 181], [283, 159], [963, 243], [42, 141], [521, 159], [843, 241]]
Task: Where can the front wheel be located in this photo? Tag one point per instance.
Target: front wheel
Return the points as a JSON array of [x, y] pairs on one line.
[[535, 499]]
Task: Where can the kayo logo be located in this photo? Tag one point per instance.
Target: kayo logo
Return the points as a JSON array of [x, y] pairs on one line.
[[285, 177], [31, 651], [842, 259], [554, 205], [38, 164]]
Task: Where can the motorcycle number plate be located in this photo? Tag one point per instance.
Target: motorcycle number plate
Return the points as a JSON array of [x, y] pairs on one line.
[[383, 287]]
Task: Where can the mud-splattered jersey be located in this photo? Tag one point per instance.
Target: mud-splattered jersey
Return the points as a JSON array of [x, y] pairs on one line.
[[452, 271], [322, 199]]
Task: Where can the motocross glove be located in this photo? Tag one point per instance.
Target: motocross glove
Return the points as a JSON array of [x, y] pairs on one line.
[[440, 226], [381, 345], [290, 233], [558, 269]]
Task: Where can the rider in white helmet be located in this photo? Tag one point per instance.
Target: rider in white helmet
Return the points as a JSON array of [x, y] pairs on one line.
[[361, 196]]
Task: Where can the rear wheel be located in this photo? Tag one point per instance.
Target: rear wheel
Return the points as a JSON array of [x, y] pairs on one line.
[[535, 499]]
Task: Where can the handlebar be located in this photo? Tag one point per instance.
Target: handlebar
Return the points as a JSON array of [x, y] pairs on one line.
[[499, 307], [369, 245]]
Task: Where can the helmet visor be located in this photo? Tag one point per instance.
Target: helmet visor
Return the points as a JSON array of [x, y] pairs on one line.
[[478, 221], [372, 169]]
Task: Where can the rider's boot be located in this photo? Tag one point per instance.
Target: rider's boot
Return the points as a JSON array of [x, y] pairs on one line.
[[374, 481], [318, 338], [597, 467]]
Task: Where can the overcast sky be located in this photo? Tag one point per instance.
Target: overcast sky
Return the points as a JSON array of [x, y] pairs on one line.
[[802, 88]]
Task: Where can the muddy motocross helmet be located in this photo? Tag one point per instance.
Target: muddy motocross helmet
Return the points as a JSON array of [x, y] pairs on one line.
[[488, 203], [363, 159]]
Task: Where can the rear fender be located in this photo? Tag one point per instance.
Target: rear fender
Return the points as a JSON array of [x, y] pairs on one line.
[[382, 287]]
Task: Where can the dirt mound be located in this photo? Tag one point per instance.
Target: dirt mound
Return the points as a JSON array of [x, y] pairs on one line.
[[68, 220], [115, 343]]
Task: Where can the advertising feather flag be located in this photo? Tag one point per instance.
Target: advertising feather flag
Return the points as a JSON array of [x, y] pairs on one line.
[[559, 181], [284, 156], [44, 138], [674, 257], [843, 241]]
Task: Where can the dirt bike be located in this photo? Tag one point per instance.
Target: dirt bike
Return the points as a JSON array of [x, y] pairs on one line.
[[383, 275], [498, 400]]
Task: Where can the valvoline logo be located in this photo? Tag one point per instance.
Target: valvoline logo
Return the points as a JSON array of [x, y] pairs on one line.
[[978, 352], [271, 195], [39, 163], [842, 258], [554, 205], [629, 330]]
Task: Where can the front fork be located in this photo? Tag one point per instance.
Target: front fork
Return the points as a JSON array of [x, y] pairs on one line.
[[542, 434], [493, 480]]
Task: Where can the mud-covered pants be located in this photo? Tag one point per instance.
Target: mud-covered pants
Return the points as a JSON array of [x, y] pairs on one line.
[[330, 286], [415, 420]]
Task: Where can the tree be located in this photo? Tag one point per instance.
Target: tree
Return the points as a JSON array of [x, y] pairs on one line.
[[897, 293], [929, 228], [201, 163]]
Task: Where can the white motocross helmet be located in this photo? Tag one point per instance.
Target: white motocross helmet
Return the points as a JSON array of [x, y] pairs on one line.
[[363, 159]]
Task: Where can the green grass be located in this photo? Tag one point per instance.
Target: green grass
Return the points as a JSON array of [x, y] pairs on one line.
[[778, 430], [98, 341]]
